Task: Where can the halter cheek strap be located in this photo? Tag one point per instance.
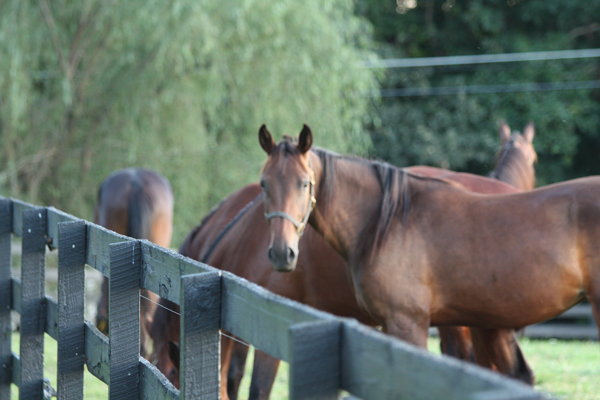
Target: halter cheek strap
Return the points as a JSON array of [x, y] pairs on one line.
[[300, 226]]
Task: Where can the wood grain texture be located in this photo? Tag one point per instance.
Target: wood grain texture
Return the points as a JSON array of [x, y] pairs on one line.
[[18, 208], [71, 305], [200, 339], [33, 311], [98, 241], [124, 320], [377, 366], [97, 353], [154, 385], [52, 317], [161, 269], [262, 318], [55, 217], [315, 365], [5, 298]]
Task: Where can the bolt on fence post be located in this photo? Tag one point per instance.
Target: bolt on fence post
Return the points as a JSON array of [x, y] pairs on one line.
[[315, 360], [124, 319], [200, 340], [5, 298], [71, 296], [33, 309]]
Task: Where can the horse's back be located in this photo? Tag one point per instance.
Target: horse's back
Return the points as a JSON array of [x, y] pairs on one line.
[[198, 241]]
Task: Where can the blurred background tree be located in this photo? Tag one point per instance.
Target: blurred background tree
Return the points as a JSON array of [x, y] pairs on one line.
[[460, 131], [180, 87]]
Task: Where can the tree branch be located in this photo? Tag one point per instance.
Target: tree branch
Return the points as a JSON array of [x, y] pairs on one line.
[[47, 14]]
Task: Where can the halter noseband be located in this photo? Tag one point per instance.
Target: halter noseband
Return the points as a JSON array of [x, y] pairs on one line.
[[300, 226]]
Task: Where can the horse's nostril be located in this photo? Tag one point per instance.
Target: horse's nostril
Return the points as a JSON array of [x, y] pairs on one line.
[[271, 254], [290, 255]]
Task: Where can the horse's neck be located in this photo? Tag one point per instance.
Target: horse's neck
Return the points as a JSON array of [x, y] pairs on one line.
[[512, 168], [343, 214]]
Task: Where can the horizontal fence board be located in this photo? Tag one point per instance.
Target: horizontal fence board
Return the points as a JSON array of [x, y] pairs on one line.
[[52, 316], [16, 370], [16, 295], [98, 240], [54, 218], [262, 318], [18, 208], [154, 385], [97, 353], [377, 366], [162, 268], [562, 331]]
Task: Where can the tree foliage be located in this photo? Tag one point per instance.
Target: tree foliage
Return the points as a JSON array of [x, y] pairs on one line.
[[459, 131], [179, 86]]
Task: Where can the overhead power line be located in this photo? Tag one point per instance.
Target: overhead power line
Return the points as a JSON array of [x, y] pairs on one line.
[[483, 59], [474, 89]]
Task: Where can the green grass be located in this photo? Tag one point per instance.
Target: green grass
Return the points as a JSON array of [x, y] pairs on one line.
[[566, 369]]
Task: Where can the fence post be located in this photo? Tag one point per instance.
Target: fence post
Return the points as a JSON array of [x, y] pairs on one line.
[[5, 299], [71, 291], [315, 363], [124, 319], [33, 310], [200, 340]]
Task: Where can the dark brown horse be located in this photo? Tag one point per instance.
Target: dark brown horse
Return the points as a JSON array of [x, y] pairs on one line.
[[423, 251], [319, 280], [137, 203]]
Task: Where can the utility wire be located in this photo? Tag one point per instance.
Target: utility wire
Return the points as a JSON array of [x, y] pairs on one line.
[[482, 59], [478, 89]]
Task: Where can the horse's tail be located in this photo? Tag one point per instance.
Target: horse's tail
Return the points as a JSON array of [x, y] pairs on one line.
[[139, 210]]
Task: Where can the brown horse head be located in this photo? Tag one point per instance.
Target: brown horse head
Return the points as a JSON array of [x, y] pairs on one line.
[[288, 206], [515, 160]]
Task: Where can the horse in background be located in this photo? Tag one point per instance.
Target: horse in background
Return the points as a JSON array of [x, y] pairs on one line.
[[515, 160], [137, 203], [238, 223], [436, 254]]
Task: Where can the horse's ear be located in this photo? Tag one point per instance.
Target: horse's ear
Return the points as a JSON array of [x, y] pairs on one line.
[[174, 352], [265, 139], [529, 132], [305, 140], [504, 132]]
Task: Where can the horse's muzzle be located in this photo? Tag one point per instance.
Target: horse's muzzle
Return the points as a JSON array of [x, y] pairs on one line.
[[283, 259]]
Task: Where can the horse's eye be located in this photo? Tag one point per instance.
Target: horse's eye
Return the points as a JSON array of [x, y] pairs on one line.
[[305, 184], [262, 184]]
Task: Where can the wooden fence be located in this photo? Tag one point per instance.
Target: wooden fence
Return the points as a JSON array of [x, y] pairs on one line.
[[325, 353]]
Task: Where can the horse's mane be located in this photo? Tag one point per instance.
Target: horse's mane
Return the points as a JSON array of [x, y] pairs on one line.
[[512, 167], [395, 193]]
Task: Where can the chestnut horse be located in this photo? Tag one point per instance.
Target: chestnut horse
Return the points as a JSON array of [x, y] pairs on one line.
[[137, 203], [225, 228], [423, 251]]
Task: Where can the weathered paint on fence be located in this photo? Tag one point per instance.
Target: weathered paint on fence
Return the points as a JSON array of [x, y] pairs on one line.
[[71, 306], [33, 311], [325, 353]]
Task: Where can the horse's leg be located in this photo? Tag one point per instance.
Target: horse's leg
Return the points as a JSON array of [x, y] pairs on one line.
[[148, 301], [263, 376], [455, 341], [226, 347], [412, 329], [237, 366], [499, 348], [102, 311]]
